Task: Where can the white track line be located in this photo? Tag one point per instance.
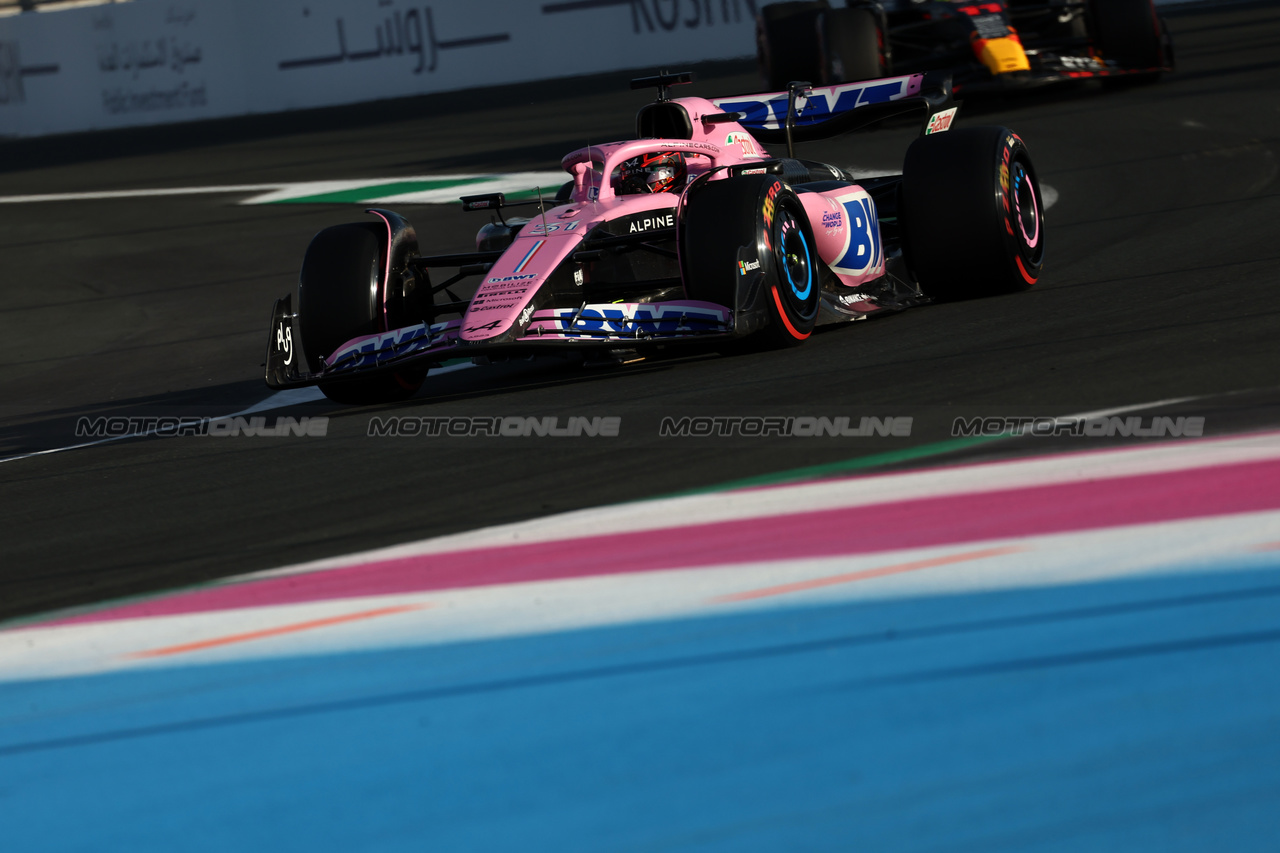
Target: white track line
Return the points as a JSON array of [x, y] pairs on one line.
[[156, 193], [289, 191], [1106, 413], [278, 400], [392, 191], [291, 397], [283, 192]]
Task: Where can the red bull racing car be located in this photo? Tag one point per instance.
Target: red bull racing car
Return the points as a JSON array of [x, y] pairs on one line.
[[691, 234], [997, 43]]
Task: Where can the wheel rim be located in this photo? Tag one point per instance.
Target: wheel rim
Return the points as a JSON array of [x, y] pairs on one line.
[[1026, 209], [794, 261]]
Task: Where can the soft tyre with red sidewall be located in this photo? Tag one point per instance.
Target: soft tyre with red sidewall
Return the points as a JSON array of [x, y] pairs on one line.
[[972, 214], [735, 230], [793, 272]]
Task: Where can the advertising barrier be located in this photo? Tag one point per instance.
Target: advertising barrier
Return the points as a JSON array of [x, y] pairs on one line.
[[160, 61]]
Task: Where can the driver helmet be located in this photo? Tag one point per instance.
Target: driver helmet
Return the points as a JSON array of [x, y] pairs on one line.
[[655, 172]]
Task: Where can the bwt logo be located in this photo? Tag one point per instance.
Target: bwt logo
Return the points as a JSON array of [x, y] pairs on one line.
[[398, 342], [820, 105], [648, 16], [661, 319]]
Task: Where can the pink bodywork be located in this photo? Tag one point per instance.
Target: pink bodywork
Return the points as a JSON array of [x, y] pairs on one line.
[[548, 240], [844, 223]]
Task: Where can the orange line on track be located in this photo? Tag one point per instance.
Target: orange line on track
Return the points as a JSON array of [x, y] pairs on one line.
[[276, 632], [801, 586]]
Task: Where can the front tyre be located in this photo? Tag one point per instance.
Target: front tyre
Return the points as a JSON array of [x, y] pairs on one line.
[[972, 213], [794, 283], [746, 244], [339, 298]]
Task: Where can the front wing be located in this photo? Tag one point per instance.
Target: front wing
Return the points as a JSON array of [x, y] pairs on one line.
[[610, 325]]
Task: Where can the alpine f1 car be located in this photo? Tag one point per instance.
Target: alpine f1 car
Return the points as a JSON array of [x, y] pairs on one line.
[[999, 43], [690, 234]]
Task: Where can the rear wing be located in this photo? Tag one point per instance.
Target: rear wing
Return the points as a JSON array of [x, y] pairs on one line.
[[829, 111]]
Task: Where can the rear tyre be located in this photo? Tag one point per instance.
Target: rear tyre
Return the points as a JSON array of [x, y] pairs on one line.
[[852, 46], [737, 229], [339, 298], [1129, 32], [787, 40], [972, 214]]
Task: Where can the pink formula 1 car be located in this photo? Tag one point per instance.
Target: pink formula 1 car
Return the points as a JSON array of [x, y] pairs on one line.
[[691, 234]]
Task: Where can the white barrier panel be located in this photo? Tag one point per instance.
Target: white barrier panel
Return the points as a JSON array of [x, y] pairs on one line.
[[160, 61], [118, 66]]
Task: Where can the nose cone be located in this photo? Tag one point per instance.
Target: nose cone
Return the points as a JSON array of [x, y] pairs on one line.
[[1002, 55]]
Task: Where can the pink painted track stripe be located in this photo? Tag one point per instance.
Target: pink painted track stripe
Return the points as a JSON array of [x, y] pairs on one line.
[[952, 519]]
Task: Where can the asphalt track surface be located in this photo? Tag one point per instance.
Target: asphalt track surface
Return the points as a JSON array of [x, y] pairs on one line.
[[1161, 285]]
